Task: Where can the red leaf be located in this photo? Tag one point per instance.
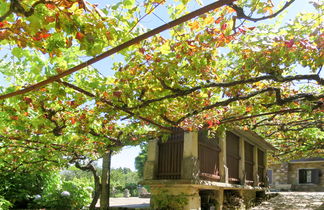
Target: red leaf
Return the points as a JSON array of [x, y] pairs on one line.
[[28, 100], [79, 36], [142, 50], [108, 35], [117, 93], [73, 121], [14, 117], [242, 30], [219, 20], [148, 57], [210, 123], [50, 19], [290, 43], [37, 37], [224, 26], [1, 24], [50, 6], [45, 36]]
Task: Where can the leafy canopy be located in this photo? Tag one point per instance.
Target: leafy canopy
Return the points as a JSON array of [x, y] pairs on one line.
[[221, 69]]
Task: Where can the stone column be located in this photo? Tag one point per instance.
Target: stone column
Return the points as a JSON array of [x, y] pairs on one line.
[[150, 167], [223, 170], [248, 196], [190, 165], [255, 166], [242, 161], [173, 193], [265, 175], [219, 197]]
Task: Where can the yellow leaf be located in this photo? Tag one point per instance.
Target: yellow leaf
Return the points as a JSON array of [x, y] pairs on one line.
[[209, 20], [194, 25], [230, 10], [268, 9]]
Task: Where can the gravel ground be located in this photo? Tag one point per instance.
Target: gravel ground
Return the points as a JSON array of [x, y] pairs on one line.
[[294, 201], [132, 202], [284, 201]]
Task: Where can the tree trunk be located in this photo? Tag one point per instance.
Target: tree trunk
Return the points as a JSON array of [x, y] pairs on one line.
[[97, 191], [105, 181]]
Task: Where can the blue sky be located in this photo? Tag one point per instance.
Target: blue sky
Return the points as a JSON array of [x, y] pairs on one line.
[[126, 157]]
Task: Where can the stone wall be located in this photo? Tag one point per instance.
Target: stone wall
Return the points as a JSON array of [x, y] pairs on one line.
[[293, 176], [169, 197], [279, 173], [285, 176]]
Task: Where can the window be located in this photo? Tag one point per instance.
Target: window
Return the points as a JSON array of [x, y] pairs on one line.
[[309, 176]]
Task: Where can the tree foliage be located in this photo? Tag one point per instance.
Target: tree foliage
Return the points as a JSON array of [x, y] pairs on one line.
[[121, 179], [221, 69]]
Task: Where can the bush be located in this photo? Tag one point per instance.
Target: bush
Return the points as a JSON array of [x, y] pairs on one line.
[[63, 195], [19, 188], [39, 189], [4, 204], [132, 187]]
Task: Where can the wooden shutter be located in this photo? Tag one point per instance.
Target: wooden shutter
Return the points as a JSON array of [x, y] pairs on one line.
[[232, 156], [170, 156], [302, 176], [316, 176], [248, 161], [261, 166], [208, 153]]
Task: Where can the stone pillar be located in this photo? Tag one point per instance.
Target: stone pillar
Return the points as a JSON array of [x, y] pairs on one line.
[[173, 193], [150, 167], [242, 162], [193, 201], [255, 166], [190, 165], [265, 174], [219, 197], [248, 196], [223, 170]]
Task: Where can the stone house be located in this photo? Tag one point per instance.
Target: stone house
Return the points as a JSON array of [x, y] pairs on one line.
[[206, 167], [298, 175]]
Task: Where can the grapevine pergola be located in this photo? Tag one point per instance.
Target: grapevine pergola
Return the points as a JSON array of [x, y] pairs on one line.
[[217, 69]]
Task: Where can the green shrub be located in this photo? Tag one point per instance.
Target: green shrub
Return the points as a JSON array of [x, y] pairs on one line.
[[132, 187], [42, 189], [4, 204], [118, 195], [19, 188], [63, 195]]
